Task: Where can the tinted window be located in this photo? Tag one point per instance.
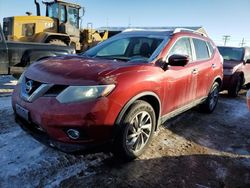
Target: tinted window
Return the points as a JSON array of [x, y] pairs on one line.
[[201, 49], [182, 47], [231, 54]]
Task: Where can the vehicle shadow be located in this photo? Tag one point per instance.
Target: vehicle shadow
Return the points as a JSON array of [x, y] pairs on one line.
[[226, 132], [170, 171], [227, 129]]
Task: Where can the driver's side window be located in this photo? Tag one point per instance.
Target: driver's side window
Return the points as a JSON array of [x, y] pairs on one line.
[[182, 47]]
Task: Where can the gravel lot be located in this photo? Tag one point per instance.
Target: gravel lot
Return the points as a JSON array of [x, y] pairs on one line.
[[192, 150]]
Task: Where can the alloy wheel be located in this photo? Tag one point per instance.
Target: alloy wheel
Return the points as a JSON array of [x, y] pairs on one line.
[[214, 97], [139, 131]]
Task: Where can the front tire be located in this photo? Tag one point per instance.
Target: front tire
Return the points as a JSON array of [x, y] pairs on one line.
[[135, 131], [209, 105]]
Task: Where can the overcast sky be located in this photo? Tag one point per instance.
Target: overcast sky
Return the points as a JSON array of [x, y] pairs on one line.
[[218, 17]]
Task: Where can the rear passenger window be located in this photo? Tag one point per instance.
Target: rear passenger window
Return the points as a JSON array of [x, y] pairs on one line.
[[182, 47], [211, 48], [201, 49]]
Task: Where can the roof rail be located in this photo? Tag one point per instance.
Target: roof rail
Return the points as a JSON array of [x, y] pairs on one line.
[[198, 30], [177, 30], [147, 29], [133, 29]]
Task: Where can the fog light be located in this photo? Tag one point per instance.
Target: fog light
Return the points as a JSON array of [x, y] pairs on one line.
[[73, 134]]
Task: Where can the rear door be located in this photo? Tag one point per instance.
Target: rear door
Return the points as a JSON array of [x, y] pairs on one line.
[[204, 66], [179, 81]]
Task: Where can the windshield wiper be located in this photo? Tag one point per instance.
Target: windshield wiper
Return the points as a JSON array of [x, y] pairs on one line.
[[232, 60], [113, 58]]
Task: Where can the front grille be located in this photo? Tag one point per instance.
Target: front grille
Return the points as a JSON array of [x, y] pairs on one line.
[[31, 89]]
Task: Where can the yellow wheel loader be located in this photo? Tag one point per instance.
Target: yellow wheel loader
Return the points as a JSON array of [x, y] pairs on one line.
[[60, 26]]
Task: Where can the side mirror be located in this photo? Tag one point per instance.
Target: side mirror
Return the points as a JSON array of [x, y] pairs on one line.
[[178, 60], [173, 60]]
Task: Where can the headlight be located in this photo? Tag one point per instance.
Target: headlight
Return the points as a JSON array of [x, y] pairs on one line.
[[83, 93]]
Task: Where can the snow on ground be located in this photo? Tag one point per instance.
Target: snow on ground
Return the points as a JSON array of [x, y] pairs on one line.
[[192, 150], [7, 84], [25, 161]]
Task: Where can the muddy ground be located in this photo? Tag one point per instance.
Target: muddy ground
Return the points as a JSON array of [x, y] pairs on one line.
[[192, 150]]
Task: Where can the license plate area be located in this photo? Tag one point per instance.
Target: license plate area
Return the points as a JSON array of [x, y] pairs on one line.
[[22, 112]]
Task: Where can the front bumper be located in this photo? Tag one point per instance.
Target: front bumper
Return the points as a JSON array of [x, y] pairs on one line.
[[93, 119], [44, 138]]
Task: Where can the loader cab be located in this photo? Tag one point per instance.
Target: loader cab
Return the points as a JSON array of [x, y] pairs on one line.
[[66, 16]]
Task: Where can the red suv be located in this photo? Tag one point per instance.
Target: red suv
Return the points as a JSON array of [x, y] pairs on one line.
[[119, 91]]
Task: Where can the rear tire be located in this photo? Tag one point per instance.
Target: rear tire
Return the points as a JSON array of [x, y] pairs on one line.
[[209, 105], [236, 87], [135, 131], [57, 42]]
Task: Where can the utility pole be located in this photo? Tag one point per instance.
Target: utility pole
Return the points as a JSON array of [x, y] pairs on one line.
[[242, 43], [226, 38]]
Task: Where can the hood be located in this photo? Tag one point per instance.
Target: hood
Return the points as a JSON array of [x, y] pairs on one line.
[[231, 64], [73, 70]]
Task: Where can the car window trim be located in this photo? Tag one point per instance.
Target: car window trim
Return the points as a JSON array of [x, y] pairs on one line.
[[205, 59], [210, 53]]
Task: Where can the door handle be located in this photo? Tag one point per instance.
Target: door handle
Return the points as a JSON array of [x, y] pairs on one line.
[[195, 71], [213, 65]]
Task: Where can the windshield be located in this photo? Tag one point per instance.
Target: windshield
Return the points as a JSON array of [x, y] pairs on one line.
[[128, 48], [53, 10], [232, 54]]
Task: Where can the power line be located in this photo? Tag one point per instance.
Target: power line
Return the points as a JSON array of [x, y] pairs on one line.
[[242, 43], [226, 38]]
